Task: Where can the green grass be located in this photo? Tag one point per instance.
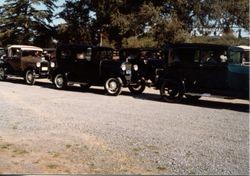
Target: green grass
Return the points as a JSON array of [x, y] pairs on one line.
[[68, 146], [5, 146], [52, 166]]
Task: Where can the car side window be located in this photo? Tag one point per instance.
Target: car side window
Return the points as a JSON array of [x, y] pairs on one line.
[[245, 58], [184, 55], [102, 54], [65, 54], [29, 53], [16, 52], [213, 57], [82, 54]]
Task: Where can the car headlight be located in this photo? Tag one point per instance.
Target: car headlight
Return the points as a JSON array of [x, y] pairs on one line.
[[52, 64], [38, 64], [135, 67], [123, 67]]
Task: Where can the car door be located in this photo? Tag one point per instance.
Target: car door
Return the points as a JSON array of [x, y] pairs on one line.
[[14, 59], [186, 64], [213, 73], [93, 70], [83, 68], [78, 67]]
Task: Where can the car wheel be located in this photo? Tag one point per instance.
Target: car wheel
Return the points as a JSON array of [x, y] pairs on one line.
[[137, 89], [60, 81], [171, 91], [29, 77], [113, 86], [192, 98], [2, 74], [85, 87]]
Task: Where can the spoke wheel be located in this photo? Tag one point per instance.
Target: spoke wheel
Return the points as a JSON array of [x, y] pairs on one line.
[[60, 81], [2, 74], [137, 89], [29, 77], [171, 91], [113, 86]]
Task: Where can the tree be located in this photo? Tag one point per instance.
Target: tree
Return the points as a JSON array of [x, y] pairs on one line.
[[22, 20], [78, 22]]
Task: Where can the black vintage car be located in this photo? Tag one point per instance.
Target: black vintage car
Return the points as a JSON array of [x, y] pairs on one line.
[[2, 53], [149, 60], [91, 65], [25, 61], [195, 70]]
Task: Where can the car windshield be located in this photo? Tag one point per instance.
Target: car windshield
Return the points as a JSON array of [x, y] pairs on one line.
[[140, 54], [239, 57], [2, 52], [33, 53], [100, 54], [75, 54]]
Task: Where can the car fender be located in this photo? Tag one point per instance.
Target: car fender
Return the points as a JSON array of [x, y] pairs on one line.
[[181, 81]]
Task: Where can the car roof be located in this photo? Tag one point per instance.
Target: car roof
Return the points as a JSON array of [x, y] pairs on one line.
[[26, 47], [49, 49], [203, 46], [140, 49], [240, 48], [81, 46]]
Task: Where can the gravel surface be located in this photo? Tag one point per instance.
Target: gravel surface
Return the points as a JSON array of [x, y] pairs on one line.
[[45, 131]]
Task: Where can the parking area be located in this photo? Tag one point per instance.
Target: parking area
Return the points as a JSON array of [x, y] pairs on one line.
[[44, 130]]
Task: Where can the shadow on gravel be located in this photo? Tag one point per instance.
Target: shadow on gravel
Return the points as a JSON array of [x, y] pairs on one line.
[[240, 107]]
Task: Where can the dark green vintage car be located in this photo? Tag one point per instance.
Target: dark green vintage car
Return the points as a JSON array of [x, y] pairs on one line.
[[195, 70]]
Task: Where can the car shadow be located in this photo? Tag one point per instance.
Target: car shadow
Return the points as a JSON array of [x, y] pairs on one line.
[[204, 103], [240, 107]]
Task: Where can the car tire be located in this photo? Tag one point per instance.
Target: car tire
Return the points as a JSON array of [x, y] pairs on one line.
[[2, 74], [137, 89], [85, 87], [171, 91], [60, 81], [113, 86], [192, 98], [29, 77]]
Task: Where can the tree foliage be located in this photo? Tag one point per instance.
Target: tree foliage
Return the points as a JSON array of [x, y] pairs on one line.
[[22, 21], [120, 21]]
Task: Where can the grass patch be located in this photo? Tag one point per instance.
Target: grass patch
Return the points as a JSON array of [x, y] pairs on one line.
[[5, 146], [36, 162], [52, 166], [68, 146], [20, 151], [54, 154], [161, 168], [137, 149], [152, 147]]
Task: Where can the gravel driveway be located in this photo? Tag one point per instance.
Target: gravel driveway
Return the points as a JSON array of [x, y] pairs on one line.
[[44, 131]]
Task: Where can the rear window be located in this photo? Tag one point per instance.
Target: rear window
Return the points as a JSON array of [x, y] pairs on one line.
[[100, 54]]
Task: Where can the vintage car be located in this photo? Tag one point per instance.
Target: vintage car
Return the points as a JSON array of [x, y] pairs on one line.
[[91, 65], [195, 70], [2, 53], [50, 54], [25, 61], [149, 60]]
